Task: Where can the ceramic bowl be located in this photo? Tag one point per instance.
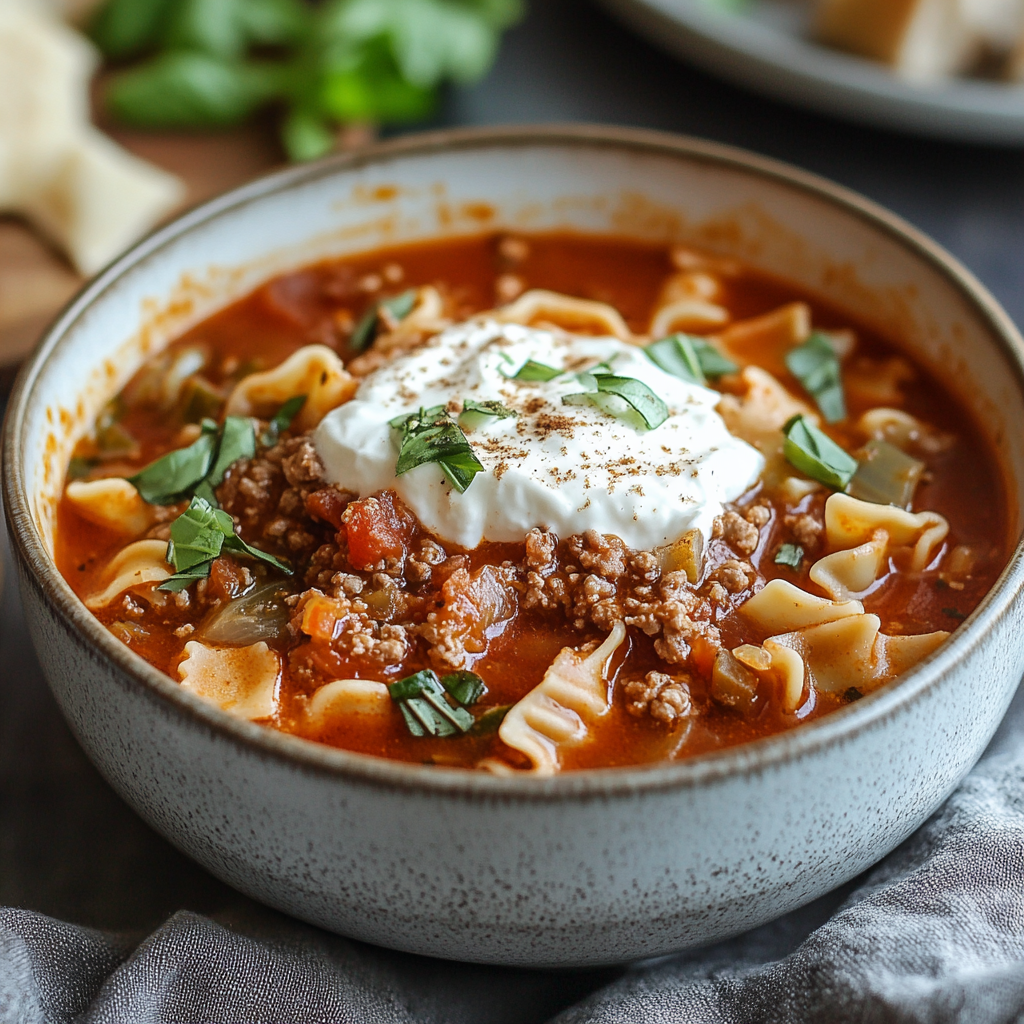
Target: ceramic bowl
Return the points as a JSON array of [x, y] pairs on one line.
[[587, 868]]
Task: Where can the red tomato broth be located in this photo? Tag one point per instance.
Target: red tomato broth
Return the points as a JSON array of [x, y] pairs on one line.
[[320, 304]]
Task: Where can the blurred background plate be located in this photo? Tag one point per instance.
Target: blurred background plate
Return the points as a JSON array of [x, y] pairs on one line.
[[766, 47]]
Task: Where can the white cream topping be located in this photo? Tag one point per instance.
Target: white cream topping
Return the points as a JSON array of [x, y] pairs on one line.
[[564, 468]]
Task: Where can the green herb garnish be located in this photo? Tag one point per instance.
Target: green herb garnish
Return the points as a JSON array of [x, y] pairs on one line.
[[531, 370], [816, 365], [200, 467], [491, 720], [691, 359], [475, 413], [198, 536], [852, 694], [465, 687], [954, 614], [637, 395], [814, 453], [79, 467], [432, 436], [282, 421], [365, 331], [174, 475], [211, 63], [421, 699], [791, 555]]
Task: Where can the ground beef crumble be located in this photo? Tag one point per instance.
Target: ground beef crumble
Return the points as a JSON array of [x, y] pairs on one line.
[[396, 589]]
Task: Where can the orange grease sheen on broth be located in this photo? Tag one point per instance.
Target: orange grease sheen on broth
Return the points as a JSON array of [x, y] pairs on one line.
[[319, 304]]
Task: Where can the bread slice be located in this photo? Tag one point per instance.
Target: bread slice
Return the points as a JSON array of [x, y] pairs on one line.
[[922, 40]]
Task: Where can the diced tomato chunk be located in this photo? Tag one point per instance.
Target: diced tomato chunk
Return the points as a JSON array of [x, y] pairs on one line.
[[378, 528], [327, 504], [225, 579]]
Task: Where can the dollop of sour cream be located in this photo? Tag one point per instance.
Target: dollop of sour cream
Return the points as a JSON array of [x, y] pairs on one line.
[[566, 468]]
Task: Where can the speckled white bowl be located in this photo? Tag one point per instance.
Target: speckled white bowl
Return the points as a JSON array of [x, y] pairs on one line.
[[587, 868]]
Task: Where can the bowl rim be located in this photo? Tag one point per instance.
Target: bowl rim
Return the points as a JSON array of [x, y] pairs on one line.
[[753, 757]]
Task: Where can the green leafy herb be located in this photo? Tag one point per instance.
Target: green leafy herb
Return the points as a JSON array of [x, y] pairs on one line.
[[814, 453], [237, 440], [399, 307], [282, 421], [531, 370], [886, 475], [215, 62], [852, 694], [198, 536], [432, 436], [953, 613], [816, 365], [791, 555], [637, 395], [475, 413], [465, 687], [173, 476], [490, 720], [421, 699], [690, 359]]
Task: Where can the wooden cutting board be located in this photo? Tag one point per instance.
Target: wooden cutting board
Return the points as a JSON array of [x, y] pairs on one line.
[[36, 280]]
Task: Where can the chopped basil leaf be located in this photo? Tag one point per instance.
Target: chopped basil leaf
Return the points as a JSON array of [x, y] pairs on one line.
[[432, 436], [474, 413], [198, 536], [813, 452], [852, 694], [490, 720], [466, 687], [691, 359], [791, 555], [237, 441], [282, 421], [651, 409], [954, 614], [885, 475], [531, 370], [816, 365], [174, 475], [365, 331], [421, 699], [414, 685]]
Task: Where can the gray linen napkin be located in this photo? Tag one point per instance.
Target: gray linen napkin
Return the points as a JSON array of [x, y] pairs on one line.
[[935, 933]]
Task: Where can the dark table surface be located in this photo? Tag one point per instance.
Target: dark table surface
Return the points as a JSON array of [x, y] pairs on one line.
[[68, 846]]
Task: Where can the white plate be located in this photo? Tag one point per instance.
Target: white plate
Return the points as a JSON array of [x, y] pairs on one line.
[[768, 49]]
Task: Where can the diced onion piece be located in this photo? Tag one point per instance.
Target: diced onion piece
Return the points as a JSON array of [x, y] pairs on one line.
[[260, 614], [112, 503], [684, 555], [885, 475], [733, 684], [241, 680]]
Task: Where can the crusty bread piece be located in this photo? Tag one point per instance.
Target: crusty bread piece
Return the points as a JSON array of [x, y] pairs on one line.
[[922, 40], [81, 189]]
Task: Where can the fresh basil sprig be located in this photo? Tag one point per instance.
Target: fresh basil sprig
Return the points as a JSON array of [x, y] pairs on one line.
[[816, 365], [198, 536], [432, 436], [690, 359], [282, 421], [651, 409], [200, 467], [813, 452], [421, 699], [365, 331]]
